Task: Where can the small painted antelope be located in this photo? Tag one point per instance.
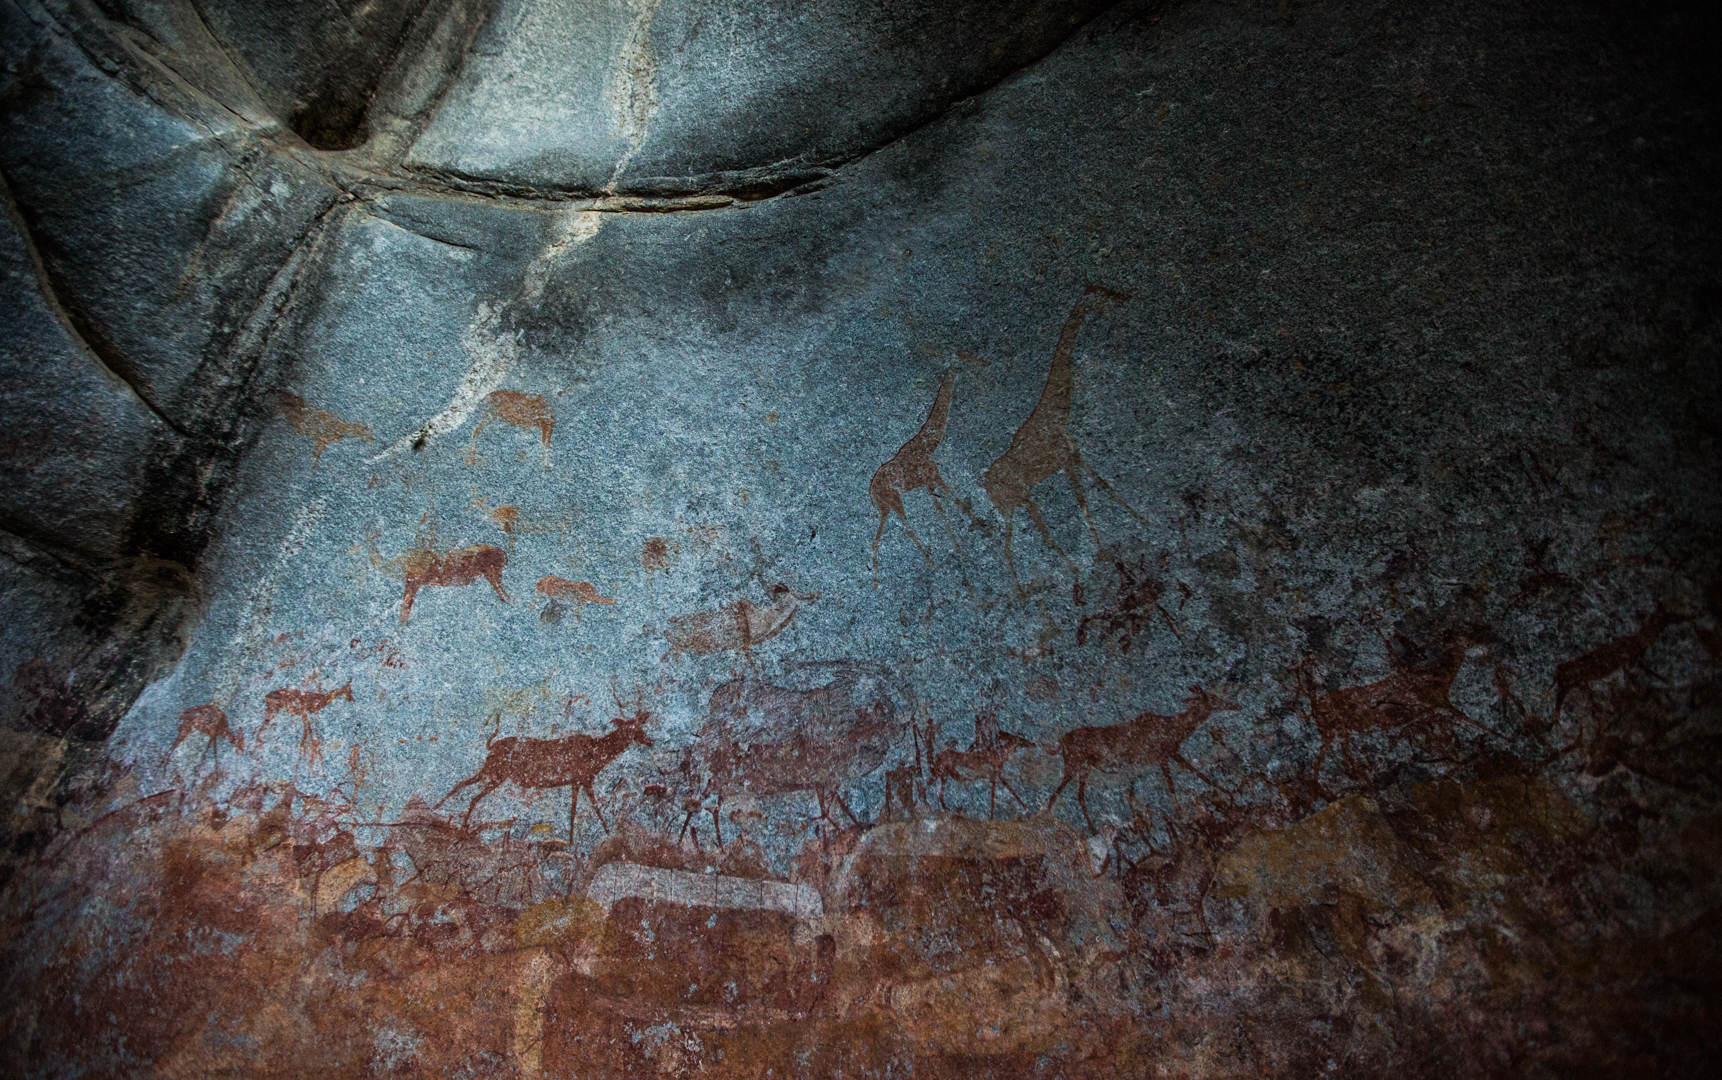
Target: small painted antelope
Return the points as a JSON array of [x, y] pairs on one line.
[[1611, 657], [304, 704], [573, 762], [1412, 694], [462, 566], [211, 721], [1134, 747], [579, 593], [984, 760]]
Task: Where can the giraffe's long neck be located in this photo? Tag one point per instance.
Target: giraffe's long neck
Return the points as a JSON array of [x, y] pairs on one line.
[[1054, 406], [932, 432]]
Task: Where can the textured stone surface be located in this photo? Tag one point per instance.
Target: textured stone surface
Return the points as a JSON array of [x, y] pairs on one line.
[[674, 98], [1190, 531]]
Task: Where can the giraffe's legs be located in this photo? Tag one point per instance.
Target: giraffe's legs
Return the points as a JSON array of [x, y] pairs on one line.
[[1046, 533], [946, 518], [884, 512], [908, 529], [1081, 499]]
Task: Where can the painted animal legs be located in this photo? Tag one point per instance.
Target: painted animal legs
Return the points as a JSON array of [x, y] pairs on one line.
[[1060, 789], [592, 797], [946, 518], [466, 821]]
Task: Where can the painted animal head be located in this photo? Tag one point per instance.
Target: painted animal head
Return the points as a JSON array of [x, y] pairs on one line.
[[635, 727], [634, 724]]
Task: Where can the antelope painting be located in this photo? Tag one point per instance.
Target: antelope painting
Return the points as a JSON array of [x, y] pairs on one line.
[[573, 762], [461, 566], [740, 625], [211, 721], [1413, 693], [1043, 447], [324, 429], [304, 704], [1614, 656], [912, 468], [985, 759], [1135, 746], [524, 411], [578, 593]]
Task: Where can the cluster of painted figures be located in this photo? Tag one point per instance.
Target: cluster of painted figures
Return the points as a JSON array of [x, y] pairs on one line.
[[764, 740], [1042, 448]]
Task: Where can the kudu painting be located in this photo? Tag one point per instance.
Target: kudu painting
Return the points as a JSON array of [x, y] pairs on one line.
[[573, 761]]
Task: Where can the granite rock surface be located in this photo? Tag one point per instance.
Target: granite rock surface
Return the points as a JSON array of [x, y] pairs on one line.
[[668, 538]]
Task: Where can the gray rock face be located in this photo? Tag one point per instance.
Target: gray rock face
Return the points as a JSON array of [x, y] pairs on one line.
[[1279, 443], [315, 65], [643, 96]]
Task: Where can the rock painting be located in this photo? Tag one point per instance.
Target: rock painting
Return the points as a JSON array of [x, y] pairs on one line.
[[1043, 446], [1413, 698], [772, 740], [983, 761], [737, 627], [578, 593], [516, 409], [323, 428], [425, 566], [1148, 741], [1130, 612], [209, 721], [304, 704], [655, 555], [1389, 696], [912, 468], [573, 761]]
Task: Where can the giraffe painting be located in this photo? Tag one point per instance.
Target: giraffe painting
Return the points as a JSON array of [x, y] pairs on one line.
[[1043, 447], [912, 468]]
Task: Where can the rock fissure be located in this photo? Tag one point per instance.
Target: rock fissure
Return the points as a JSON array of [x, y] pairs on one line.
[[80, 330]]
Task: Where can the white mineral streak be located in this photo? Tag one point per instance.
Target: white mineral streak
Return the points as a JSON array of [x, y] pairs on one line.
[[492, 348], [633, 89], [615, 881], [259, 605]]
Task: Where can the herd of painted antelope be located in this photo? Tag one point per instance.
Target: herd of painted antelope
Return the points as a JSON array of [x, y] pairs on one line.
[[766, 740]]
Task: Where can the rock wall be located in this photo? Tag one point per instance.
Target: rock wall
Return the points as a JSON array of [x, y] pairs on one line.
[[654, 537]]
